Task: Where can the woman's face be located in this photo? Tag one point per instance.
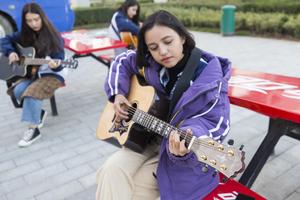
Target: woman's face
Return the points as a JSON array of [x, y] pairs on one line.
[[34, 21], [165, 45], [131, 11]]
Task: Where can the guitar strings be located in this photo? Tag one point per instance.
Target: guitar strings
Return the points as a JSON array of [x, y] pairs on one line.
[[42, 60], [133, 110], [208, 161]]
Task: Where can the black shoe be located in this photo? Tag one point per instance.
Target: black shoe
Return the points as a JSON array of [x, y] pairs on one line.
[[42, 118], [31, 135]]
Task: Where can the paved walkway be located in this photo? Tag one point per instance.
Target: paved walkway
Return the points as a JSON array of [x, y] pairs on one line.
[[63, 164]]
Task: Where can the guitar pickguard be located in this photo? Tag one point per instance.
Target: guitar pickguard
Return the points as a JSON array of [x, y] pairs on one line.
[[121, 127]]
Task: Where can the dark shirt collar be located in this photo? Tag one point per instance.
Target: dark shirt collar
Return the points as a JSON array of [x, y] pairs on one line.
[[174, 71]]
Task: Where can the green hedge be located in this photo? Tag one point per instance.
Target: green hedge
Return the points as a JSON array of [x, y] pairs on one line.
[[272, 24], [93, 15], [269, 23], [289, 8], [286, 6], [190, 17], [256, 23]]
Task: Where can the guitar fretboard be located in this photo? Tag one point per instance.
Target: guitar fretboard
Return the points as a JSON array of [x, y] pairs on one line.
[[227, 160], [40, 61], [156, 125]]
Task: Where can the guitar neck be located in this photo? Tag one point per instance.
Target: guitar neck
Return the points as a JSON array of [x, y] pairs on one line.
[[227, 160], [156, 125], [39, 61]]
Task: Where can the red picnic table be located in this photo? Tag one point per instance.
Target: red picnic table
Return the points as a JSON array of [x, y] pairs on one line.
[[275, 96], [86, 43], [232, 190]]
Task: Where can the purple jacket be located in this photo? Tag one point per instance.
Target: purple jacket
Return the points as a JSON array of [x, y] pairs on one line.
[[203, 108]]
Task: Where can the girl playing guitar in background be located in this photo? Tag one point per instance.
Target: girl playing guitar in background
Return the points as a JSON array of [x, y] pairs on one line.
[[40, 83], [125, 24]]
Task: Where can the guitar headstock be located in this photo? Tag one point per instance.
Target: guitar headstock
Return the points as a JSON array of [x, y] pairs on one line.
[[226, 159], [69, 63]]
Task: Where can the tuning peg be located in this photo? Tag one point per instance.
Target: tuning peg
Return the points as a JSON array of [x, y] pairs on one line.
[[241, 147], [205, 168], [230, 142]]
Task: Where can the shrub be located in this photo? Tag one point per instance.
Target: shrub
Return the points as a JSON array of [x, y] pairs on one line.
[[256, 23], [93, 15], [292, 26]]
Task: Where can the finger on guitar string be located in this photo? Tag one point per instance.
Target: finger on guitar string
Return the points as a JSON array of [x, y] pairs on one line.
[[182, 148], [121, 110], [177, 146], [13, 57], [176, 142], [171, 143], [53, 64], [120, 106], [58, 62]]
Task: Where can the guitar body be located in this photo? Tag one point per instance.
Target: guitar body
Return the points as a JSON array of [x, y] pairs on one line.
[[26, 56], [129, 39], [16, 69], [143, 97]]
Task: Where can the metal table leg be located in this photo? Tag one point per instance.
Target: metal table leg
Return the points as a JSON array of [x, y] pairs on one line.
[[277, 128]]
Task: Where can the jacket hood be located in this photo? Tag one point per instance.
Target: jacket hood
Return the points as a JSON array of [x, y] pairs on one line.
[[217, 68]]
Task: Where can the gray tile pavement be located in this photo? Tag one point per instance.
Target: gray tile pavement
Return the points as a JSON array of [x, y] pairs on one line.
[[63, 163]]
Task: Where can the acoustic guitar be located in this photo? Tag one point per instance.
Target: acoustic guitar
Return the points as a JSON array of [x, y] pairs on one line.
[[226, 159], [129, 39], [26, 55]]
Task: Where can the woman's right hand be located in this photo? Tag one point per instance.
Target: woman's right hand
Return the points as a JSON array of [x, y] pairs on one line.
[[13, 57], [120, 104]]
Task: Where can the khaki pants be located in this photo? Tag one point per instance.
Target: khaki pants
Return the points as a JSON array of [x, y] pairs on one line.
[[127, 175]]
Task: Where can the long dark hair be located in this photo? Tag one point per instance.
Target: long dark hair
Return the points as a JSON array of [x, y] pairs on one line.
[[45, 41], [161, 18], [129, 3]]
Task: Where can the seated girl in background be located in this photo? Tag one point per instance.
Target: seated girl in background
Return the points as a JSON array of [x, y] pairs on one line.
[[126, 19], [39, 83]]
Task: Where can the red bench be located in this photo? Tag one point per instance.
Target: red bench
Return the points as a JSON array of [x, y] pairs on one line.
[[272, 95], [232, 190]]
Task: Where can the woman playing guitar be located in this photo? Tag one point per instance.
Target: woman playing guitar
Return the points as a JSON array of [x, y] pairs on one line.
[[169, 169], [40, 83]]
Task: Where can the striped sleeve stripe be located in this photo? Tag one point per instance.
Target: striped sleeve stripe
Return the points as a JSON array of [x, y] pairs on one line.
[[224, 133], [118, 59], [218, 125], [227, 129]]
